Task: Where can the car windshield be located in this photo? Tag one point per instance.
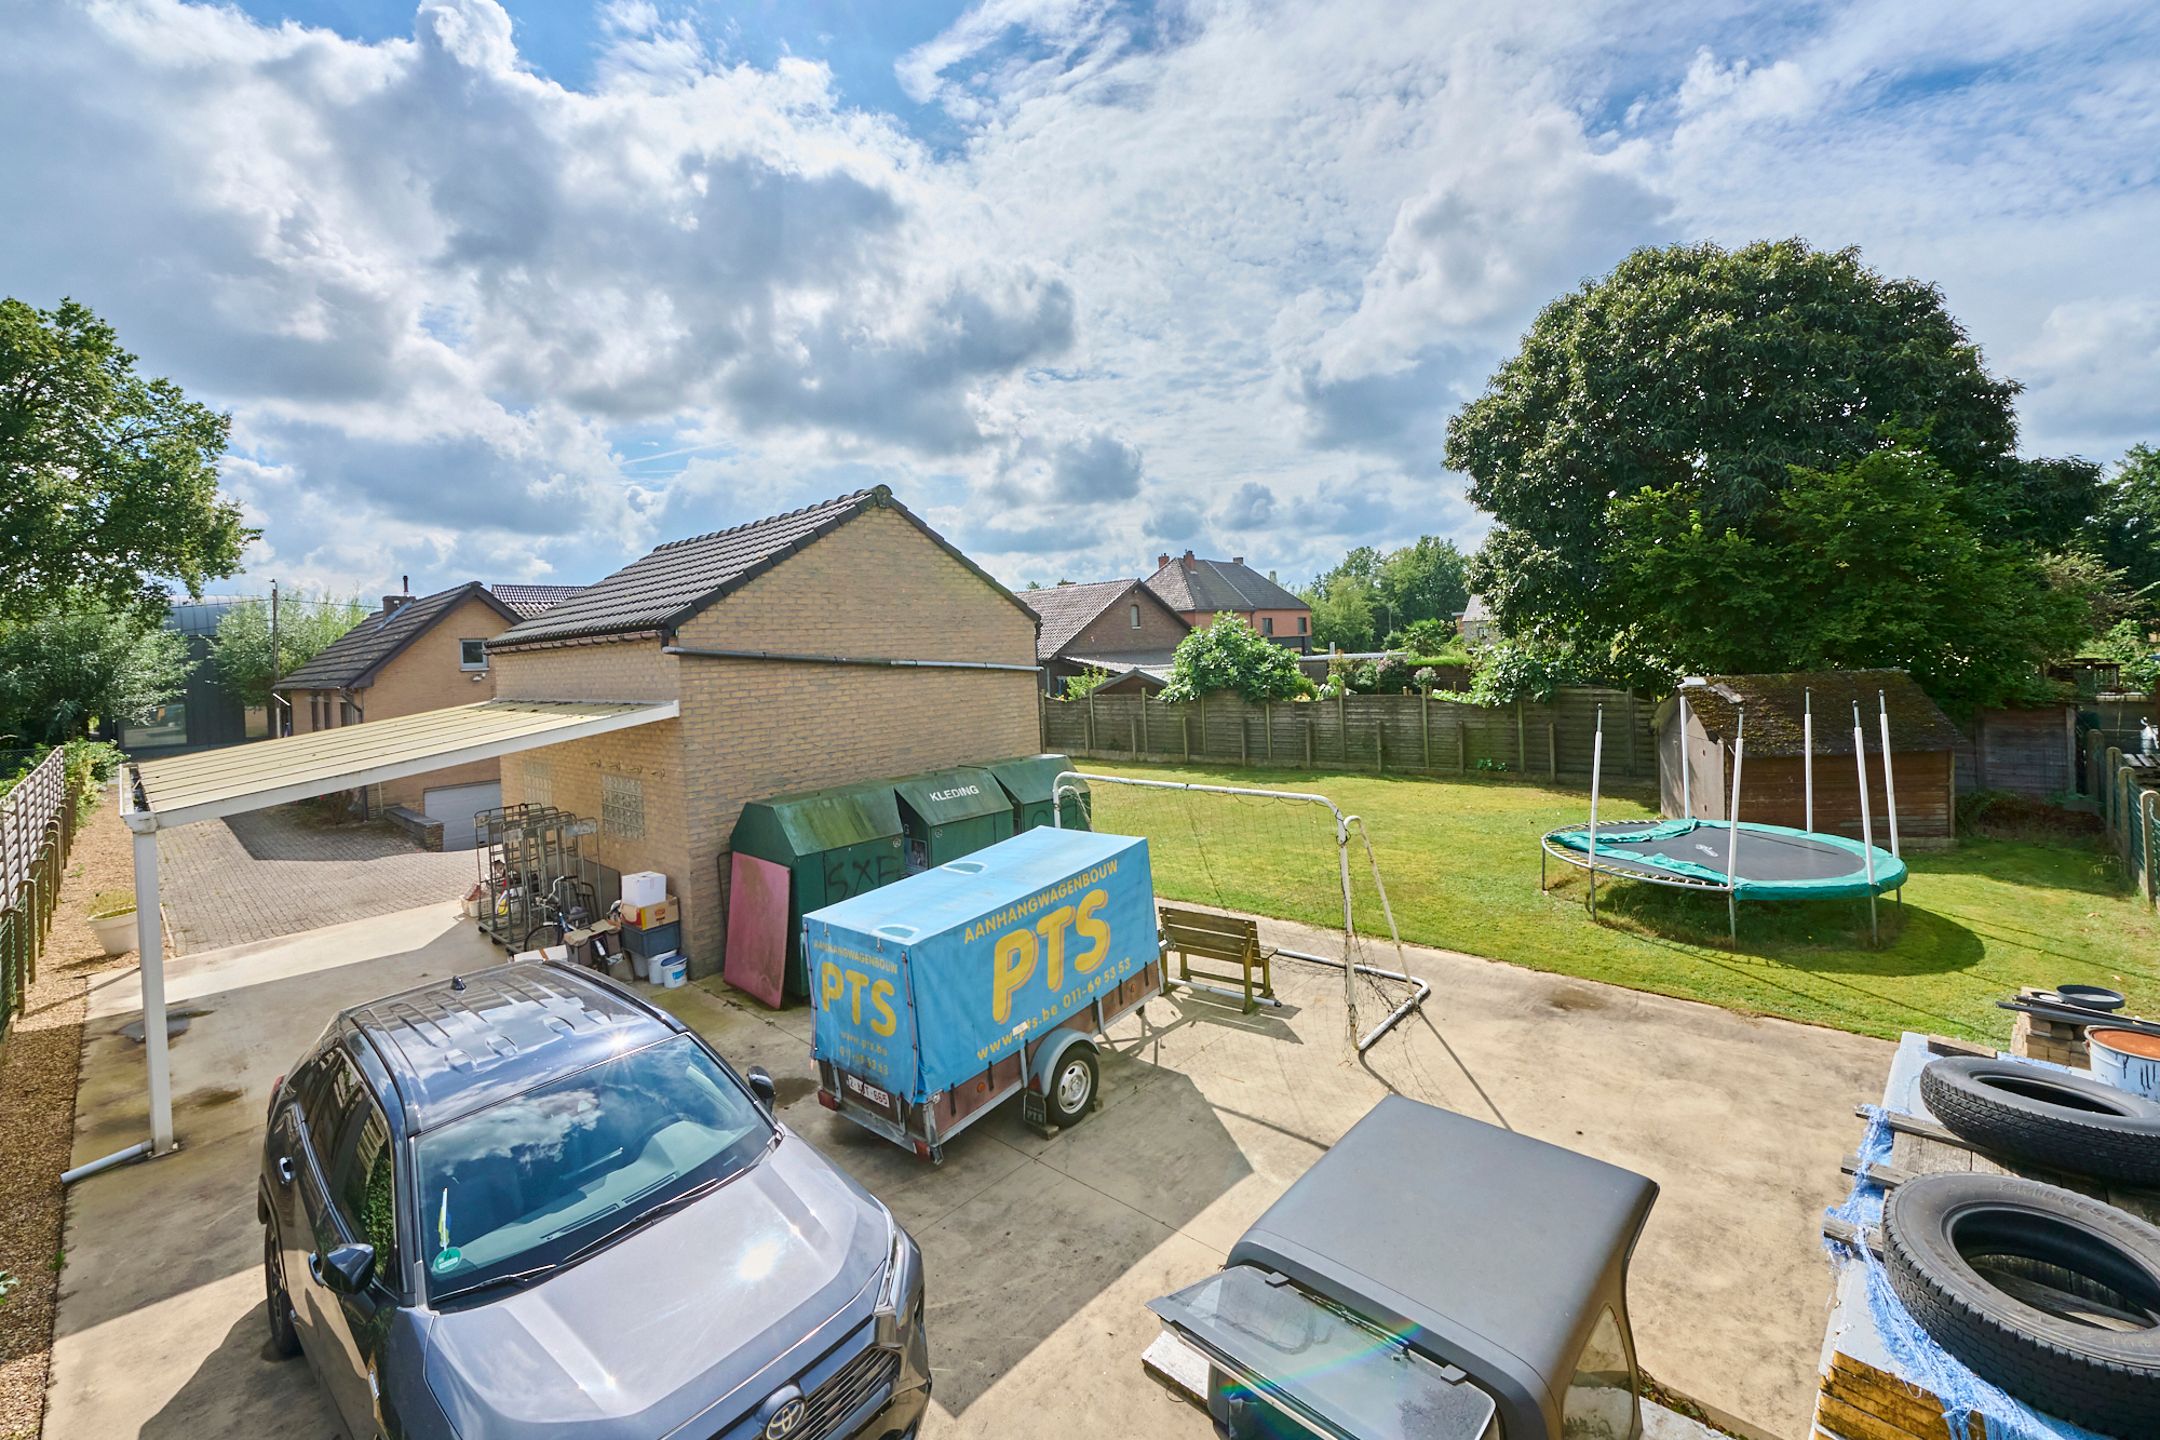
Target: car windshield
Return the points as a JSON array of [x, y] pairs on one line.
[[528, 1182]]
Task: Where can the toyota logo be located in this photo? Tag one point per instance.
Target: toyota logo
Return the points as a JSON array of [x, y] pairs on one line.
[[786, 1420]]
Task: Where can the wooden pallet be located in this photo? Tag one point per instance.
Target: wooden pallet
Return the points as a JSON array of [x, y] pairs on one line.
[[1863, 1394]]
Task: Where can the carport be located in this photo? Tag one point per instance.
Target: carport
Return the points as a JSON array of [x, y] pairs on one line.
[[211, 785]]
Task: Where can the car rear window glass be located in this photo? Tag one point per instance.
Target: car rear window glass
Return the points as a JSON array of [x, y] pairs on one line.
[[364, 1190], [1601, 1398], [530, 1181], [327, 1100]]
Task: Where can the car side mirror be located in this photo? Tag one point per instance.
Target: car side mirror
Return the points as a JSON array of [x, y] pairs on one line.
[[761, 1085], [348, 1268]]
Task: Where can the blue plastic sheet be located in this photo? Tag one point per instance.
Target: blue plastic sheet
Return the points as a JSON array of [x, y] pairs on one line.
[[928, 981]]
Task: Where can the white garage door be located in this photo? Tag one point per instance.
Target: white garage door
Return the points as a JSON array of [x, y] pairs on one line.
[[455, 806]]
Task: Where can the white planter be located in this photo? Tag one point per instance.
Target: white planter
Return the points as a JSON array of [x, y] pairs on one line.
[[115, 932]]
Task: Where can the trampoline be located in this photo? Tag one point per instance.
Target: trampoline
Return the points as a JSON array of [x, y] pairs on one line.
[[1740, 859]]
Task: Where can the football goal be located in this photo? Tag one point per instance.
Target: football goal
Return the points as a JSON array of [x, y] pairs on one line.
[[1281, 854]]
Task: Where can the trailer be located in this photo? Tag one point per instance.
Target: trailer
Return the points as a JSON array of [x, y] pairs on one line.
[[943, 995]]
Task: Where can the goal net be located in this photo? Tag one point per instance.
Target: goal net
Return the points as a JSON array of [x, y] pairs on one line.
[[1277, 854]]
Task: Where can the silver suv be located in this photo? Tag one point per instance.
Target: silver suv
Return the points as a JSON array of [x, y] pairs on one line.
[[525, 1203]]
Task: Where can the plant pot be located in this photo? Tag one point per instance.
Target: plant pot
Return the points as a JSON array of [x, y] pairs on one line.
[[115, 932]]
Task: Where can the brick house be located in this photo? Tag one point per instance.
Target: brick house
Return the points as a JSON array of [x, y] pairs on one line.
[[1199, 590], [1115, 625], [776, 639], [416, 653]]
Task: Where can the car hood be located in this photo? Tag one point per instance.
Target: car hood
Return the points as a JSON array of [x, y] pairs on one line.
[[651, 1332]]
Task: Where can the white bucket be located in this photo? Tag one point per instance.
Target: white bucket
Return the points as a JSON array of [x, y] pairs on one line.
[[2125, 1059], [669, 971]]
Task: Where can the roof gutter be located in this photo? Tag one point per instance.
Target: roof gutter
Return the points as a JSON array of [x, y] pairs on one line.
[[883, 662]]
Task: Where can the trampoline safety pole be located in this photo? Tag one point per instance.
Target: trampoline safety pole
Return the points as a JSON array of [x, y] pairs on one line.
[[1732, 842], [1807, 759], [1889, 781], [1867, 823], [1687, 790], [1597, 761]]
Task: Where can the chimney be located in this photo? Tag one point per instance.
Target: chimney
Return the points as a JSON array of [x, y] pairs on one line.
[[1188, 561], [1237, 560], [1162, 561], [392, 602]]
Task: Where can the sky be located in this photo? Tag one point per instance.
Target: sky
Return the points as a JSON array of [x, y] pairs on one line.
[[515, 292]]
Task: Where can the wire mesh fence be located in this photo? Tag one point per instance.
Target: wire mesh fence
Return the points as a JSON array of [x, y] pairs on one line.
[[37, 827], [2125, 785]]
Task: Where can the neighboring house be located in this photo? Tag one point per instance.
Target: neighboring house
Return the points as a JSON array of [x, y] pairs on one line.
[[1773, 777], [204, 715], [1199, 590], [531, 600], [774, 639], [1113, 625], [416, 653], [1475, 624]]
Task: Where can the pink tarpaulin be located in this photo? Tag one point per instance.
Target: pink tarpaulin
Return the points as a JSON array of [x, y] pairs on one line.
[[757, 938]]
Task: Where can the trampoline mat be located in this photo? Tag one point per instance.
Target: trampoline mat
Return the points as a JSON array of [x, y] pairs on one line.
[[1773, 862]]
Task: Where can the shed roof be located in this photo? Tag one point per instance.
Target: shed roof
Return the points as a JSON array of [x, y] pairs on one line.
[[352, 659], [1776, 703], [1214, 586], [1068, 609], [667, 587]]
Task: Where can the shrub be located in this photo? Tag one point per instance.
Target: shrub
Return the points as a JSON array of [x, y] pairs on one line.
[[1230, 655], [1093, 678], [110, 903]]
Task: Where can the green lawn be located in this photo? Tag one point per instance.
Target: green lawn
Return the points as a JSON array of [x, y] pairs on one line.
[[1460, 857]]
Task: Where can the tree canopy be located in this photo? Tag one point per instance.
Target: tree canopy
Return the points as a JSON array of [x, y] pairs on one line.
[[241, 648], [1770, 457], [82, 661], [1230, 655], [108, 480], [1371, 592], [2126, 527]]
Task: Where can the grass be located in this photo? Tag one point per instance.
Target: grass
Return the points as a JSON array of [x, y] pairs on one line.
[[1460, 857]]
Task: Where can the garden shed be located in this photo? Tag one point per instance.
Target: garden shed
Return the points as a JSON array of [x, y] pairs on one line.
[[1695, 763]]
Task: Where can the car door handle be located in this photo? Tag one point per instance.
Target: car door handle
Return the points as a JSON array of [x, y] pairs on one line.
[[284, 1169]]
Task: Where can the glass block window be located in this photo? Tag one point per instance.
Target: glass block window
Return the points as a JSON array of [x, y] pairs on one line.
[[622, 806], [539, 778]]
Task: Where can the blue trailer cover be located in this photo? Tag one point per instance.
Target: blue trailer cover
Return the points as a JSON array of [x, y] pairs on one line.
[[925, 982]]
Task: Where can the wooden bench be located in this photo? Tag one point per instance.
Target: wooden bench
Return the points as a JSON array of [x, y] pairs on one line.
[[1228, 939]]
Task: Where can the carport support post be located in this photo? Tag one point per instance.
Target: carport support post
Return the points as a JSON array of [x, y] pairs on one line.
[[150, 949]]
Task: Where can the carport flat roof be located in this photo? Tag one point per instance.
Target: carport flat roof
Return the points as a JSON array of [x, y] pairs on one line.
[[215, 783]]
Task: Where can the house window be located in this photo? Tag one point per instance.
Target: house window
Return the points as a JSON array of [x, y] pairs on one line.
[[622, 807], [539, 783], [348, 713], [1136, 617], [1301, 624], [166, 725], [315, 713], [255, 721], [472, 655], [1267, 625]]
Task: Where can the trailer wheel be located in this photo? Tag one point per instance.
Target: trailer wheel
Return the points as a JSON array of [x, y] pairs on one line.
[[1072, 1085]]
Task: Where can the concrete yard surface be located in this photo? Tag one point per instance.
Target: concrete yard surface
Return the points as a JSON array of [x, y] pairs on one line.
[[1041, 1253]]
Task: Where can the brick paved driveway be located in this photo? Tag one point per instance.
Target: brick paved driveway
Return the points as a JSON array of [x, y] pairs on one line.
[[276, 872]]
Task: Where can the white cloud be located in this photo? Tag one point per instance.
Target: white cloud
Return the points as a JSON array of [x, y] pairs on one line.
[[1210, 275]]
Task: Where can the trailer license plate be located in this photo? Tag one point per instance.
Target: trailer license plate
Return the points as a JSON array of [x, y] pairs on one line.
[[870, 1093]]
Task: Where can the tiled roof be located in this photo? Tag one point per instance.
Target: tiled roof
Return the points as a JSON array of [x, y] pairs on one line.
[[1776, 703], [1475, 609], [679, 579], [531, 600], [1066, 610], [354, 657], [1213, 586]]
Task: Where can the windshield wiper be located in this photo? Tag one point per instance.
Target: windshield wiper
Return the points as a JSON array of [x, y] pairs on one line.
[[643, 1218], [497, 1282]]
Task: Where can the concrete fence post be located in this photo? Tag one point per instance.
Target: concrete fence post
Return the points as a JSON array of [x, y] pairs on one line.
[[2148, 805]]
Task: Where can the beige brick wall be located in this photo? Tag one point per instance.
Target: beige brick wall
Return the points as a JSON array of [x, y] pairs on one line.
[[749, 729], [426, 676]]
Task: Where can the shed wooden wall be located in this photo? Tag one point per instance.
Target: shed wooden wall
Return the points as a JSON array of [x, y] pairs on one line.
[[2026, 752], [1773, 787]]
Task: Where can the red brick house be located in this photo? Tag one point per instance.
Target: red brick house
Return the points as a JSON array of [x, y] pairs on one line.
[[1199, 590], [1116, 625]]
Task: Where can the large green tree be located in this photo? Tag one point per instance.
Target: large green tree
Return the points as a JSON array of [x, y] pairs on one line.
[[70, 665], [1707, 375], [2126, 528], [108, 480], [1342, 614], [241, 648], [1867, 565], [1423, 581]]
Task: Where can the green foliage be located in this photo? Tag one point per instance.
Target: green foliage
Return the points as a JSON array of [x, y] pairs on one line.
[[71, 665], [1422, 584], [1511, 671], [1089, 680], [108, 481], [1230, 655], [108, 903], [2139, 657], [1867, 565], [2125, 532], [1342, 614], [241, 648], [1707, 376]]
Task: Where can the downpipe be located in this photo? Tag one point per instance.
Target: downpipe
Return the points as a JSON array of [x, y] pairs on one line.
[[137, 1151]]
